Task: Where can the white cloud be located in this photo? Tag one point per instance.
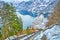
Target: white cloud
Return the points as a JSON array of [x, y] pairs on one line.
[[27, 20]]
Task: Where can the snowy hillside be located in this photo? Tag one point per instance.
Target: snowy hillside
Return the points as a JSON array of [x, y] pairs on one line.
[[44, 7], [52, 33]]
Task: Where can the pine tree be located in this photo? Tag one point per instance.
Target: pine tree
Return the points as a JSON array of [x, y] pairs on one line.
[[11, 23], [27, 30]]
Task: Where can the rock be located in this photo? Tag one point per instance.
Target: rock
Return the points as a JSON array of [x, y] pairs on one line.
[[44, 37]]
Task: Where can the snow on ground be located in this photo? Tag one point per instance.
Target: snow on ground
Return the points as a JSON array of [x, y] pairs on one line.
[[51, 34], [40, 22], [13, 37], [27, 36], [38, 37]]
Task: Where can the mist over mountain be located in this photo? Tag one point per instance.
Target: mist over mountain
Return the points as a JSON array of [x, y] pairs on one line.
[[33, 8]]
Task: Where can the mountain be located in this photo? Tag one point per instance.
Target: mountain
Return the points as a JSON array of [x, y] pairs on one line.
[[25, 12], [36, 7]]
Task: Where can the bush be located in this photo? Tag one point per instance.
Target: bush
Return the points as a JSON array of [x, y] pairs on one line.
[[0, 34]]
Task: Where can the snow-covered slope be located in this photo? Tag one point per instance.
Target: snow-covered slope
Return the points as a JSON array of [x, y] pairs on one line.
[[39, 22], [52, 33], [44, 7]]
